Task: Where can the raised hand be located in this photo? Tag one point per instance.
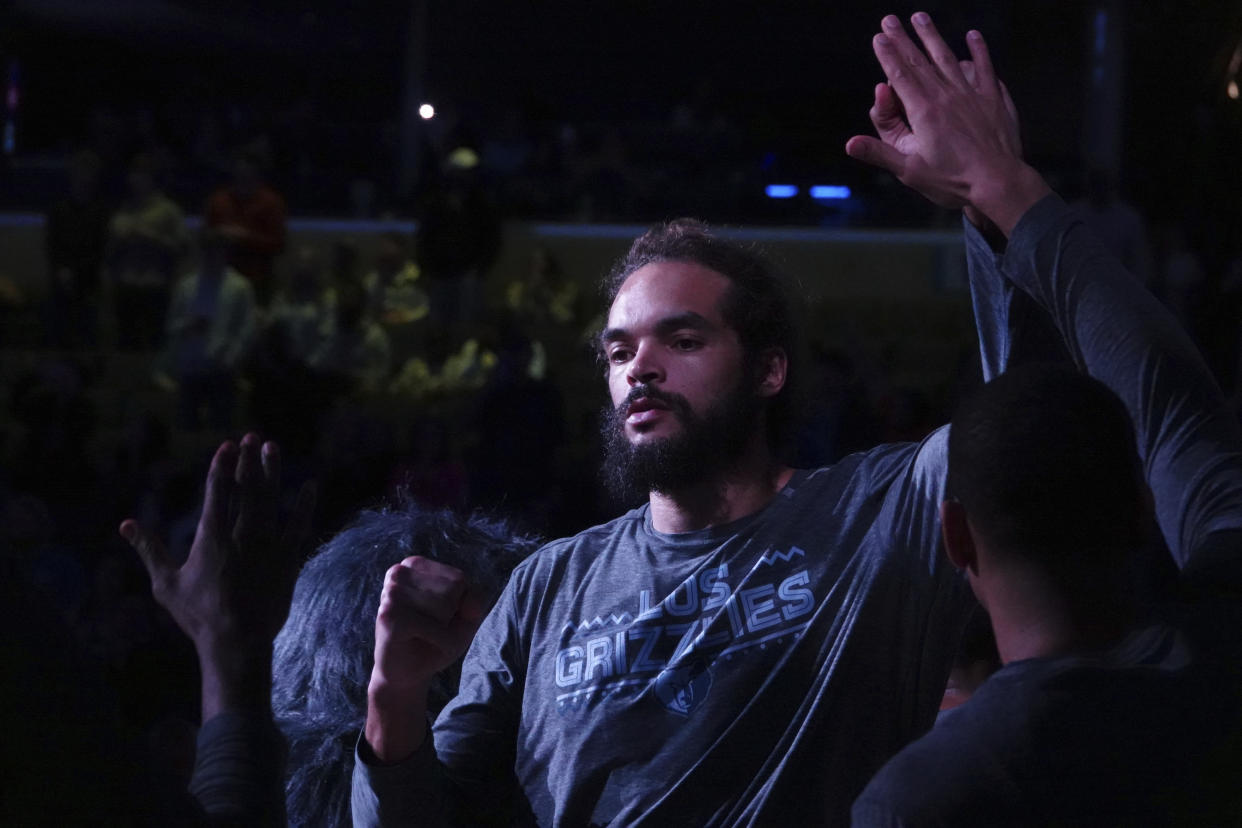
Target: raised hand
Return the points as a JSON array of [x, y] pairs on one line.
[[427, 617], [946, 128], [426, 620], [232, 594]]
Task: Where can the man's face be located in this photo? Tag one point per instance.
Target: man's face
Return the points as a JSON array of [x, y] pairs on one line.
[[683, 403]]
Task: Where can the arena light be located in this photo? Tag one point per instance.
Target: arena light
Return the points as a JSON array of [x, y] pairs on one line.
[[781, 190], [426, 112], [830, 192]]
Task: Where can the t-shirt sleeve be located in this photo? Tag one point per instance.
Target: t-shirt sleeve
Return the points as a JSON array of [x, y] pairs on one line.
[[464, 774], [239, 771], [405, 793], [1119, 333], [476, 733]]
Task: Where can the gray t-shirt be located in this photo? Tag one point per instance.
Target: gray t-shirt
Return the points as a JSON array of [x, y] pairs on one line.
[[752, 673]]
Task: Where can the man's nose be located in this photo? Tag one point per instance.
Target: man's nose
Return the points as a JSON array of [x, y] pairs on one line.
[[646, 367]]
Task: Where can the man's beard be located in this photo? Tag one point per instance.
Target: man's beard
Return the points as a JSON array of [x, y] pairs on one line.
[[701, 450]]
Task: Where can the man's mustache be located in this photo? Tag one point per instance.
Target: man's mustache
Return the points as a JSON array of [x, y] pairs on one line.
[[675, 402]]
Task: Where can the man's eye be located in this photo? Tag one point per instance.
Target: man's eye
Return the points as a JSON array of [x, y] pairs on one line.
[[686, 344], [619, 355]]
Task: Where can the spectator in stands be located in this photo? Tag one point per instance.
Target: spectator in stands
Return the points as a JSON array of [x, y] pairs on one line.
[[322, 658], [517, 475], [211, 325], [231, 597], [251, 215], [355, 349], [299, 315], [76, 237], [458, 239], [145, 242], [395, 295]]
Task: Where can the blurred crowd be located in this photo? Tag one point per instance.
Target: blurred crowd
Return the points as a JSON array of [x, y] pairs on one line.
[[389, 374]]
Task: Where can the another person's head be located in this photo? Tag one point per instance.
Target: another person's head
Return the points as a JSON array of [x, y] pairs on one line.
[[323, 656], [700, 353], [1045, 478]]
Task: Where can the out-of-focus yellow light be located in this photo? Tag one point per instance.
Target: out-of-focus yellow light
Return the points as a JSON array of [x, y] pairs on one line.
[[427, 111], [1232, 89]]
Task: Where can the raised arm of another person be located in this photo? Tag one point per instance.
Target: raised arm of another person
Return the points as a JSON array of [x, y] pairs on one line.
[[1010, 325], [231, 597], [955, 151]]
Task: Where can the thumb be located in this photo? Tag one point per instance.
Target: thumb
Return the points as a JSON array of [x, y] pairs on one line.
[[875, 152], [149, 549]]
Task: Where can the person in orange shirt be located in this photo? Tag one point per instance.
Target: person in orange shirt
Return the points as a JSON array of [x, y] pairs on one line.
[[251, 215]]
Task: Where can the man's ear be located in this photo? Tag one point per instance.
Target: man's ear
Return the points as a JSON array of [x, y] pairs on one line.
[[959, 543], [772, 372]]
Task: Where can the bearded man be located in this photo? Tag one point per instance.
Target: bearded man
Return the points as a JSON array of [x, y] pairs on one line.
[[750, 644], [690, 661]]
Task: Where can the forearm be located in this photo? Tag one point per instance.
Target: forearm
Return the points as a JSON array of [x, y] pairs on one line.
[[1120, 334], [1005, 193], [1012, 328], [396, 723], [236, 678]]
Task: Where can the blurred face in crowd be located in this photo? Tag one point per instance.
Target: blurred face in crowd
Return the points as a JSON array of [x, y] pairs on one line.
[[683, 404]]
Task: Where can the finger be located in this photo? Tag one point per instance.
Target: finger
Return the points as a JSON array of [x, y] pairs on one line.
[[904, 64], [250, 495], [968, 72], [875, 152], [942, 56], [269, 456], [1009, 105], [986, 81], [887, 115], [1015, 127], [151, 551], [428, 586], [214, 520], [399, 621]]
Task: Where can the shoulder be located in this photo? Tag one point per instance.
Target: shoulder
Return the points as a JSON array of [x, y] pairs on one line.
[[950, 776], [585, 546], [879, 468]]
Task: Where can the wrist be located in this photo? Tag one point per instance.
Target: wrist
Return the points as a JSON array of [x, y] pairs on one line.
[[1005, 194], [396, 722], [235, 676]]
